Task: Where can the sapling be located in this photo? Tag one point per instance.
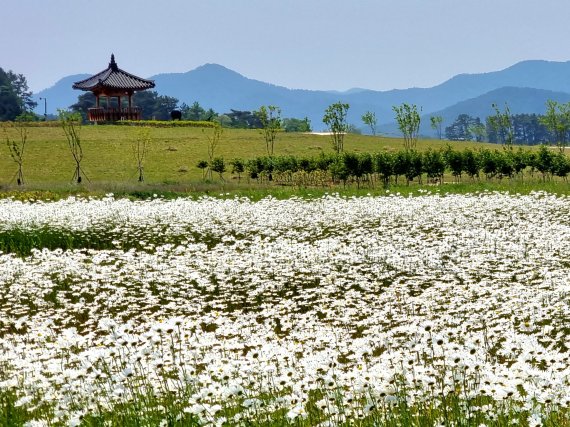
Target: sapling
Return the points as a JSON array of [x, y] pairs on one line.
[[213, 142], [408, 119], [71, 124], [335, 119], [140, 149], [270, 118], [17, 145]]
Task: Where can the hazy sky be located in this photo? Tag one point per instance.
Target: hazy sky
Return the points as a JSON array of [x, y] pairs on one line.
[[306, 44]]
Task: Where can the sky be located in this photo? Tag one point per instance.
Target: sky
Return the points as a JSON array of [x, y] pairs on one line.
[[301, 44]]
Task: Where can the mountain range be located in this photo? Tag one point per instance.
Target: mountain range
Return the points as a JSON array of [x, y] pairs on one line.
[[525, 87]]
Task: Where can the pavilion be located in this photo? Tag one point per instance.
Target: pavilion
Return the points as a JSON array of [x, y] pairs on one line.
[[116, 87]]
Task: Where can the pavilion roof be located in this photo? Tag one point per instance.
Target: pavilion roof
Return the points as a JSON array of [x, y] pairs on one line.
[[114, 78]]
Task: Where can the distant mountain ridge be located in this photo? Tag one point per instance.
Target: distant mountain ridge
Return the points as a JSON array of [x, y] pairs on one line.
[[523, 86]]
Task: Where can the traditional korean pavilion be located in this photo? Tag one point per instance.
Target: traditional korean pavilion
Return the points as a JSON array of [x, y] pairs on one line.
[[113, 89]]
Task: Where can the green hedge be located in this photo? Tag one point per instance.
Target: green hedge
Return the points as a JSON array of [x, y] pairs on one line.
[[167, 123], [408, 165]]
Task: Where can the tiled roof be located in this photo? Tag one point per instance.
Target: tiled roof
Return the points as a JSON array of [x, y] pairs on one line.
[[114, 78]]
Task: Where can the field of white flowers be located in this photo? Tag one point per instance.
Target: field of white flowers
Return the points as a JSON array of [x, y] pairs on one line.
[[432, 310]]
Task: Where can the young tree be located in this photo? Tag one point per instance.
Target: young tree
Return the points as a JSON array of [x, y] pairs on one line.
[[335, 119], [408, 119], [436, 123], [203, 164], [238, 166], [502, 124], [140, 149], [16, 146], [557, 121], [71, 124], [471, 163], [477, 129], [219, 166], [455, 161], [213, 142], [270, 118], [369, 118], [433, 164]]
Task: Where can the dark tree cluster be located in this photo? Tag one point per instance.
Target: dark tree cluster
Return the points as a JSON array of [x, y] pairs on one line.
[[465, 128], [196, 112], [15, 96], [242, 120], [153, 105], [527, 129]]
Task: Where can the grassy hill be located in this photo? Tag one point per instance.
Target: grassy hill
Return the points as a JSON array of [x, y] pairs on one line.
[[173, 155]]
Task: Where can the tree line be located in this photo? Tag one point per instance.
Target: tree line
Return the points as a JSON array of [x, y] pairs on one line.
[[158, 107], [553, 127], [396, 167], [15, 96], [503, 127]]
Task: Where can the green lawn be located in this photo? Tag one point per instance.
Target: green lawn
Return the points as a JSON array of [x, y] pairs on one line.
[[173, 156]]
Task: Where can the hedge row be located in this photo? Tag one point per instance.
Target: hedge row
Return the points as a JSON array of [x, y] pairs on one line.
[[389, 167], [167, 123]]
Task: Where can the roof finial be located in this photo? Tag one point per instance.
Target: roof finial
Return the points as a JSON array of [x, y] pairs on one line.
[[113, 64]]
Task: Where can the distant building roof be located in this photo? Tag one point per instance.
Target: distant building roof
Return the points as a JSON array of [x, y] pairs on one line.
[[114, 78]]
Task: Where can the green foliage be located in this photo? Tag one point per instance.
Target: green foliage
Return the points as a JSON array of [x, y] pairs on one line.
[[434, 164], [465, 128], [557, 121], [238, 119], [296, 125], [560, 166], [196, 113], [544, 161], [218, 165], [10, 103], [436, 123], [203, 165], [502, 125], [84, 103], [387, 167], [384, 166], [166, 123], [270, 118], [153, 106], [477, 129], [238, 167], [456, 161], [527, 129], [335, 119], [471, 163], [369, 118], [408, 119]]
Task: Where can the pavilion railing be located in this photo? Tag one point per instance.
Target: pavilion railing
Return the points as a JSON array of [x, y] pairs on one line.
[[114, 114]]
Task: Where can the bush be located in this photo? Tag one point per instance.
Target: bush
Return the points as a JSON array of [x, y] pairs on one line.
[[167, 123]]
